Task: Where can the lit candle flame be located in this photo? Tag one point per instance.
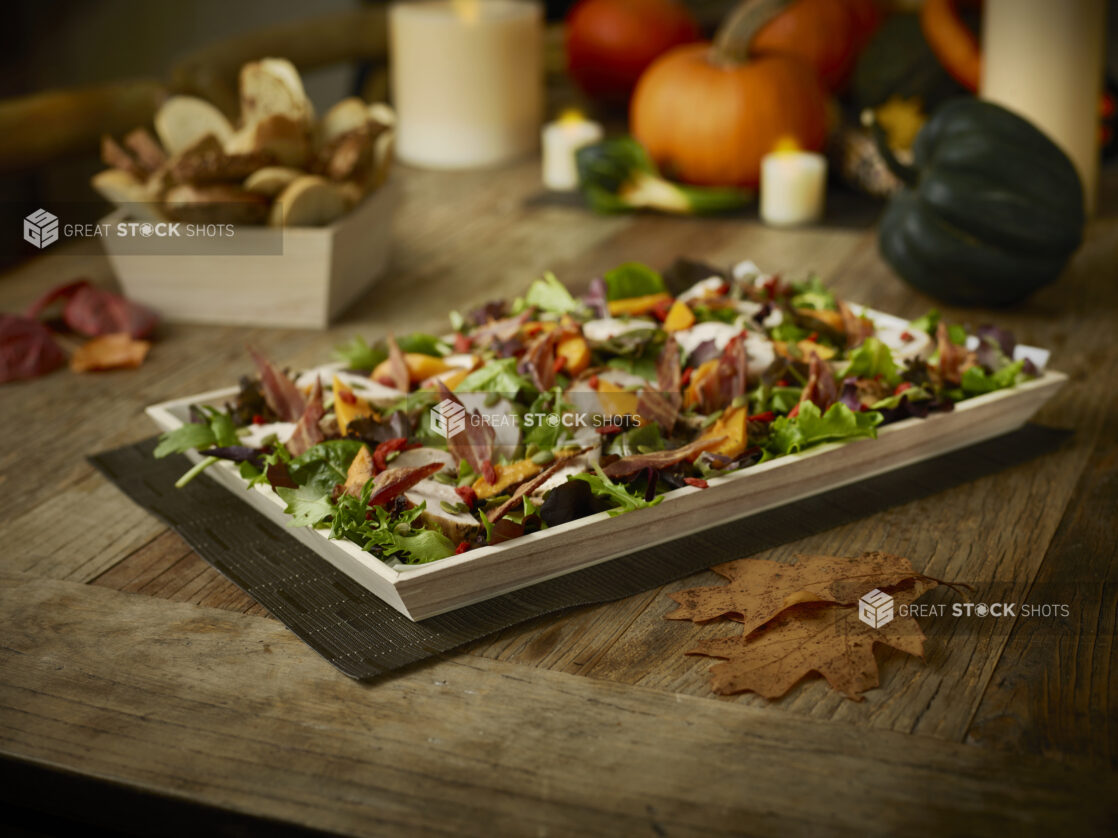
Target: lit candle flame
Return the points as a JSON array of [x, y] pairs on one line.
[[786, 144], [571, 116]]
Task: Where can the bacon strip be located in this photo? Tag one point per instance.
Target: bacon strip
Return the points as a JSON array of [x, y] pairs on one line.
[[717, 391], [280, 392], [307, 432], [474, 444], [628, 466], [953, 359], [397, 366], [821, 388], [499, 330], [661, 406], [857, 328], [538, 362], [388, 484], [529, 486]]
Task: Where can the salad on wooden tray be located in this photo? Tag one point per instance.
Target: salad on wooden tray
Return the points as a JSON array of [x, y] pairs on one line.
[[550, 407]]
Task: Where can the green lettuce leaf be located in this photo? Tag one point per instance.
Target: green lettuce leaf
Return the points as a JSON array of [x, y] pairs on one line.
[[323, 466], [927, 323], [306, 505], [217, 430], [871, 359], [913, 394], [604, 487], [813, 294], [633, 280], [190, 437], [810, 427], [551, 295], [646, 436], [358, 355], [977, 381], [497, 376]]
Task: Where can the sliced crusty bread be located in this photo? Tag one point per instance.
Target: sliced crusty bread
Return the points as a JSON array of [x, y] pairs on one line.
[[271, 180], [125, 190], [217, 203], [309, 201], [183, 120], [272, 86], [345, 116], [285, 140]]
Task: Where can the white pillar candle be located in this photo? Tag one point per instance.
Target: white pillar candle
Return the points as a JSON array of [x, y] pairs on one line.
[[1044, 60], [793, 185], [467, 81], [560, 140]]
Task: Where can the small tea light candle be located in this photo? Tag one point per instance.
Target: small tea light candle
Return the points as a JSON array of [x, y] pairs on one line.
[[467, 81], [793, 185], [560, 140]]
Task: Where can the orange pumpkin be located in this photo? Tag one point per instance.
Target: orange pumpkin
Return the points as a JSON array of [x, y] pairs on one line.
[[827, 34], [707, 113]]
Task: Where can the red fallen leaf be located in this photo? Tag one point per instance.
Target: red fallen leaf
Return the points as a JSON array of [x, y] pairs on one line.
[[110, 352], [59, 292], [93, 311], [27, 349]]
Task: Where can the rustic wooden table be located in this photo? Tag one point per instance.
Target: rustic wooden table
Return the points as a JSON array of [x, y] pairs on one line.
[[131, 673]]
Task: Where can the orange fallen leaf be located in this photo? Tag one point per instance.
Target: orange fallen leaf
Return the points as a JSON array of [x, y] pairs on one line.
[[758, 590], [814, 637], [109, 352]]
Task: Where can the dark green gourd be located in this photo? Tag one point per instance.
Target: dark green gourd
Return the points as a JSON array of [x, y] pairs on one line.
[[991, 210]]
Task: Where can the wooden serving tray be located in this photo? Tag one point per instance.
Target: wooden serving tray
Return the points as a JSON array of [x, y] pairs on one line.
[[421, 591]]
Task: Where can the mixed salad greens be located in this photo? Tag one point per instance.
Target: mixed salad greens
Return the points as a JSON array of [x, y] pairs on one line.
[[551, 407]]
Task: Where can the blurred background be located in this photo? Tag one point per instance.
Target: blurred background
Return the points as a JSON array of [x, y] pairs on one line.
[[66, 44]]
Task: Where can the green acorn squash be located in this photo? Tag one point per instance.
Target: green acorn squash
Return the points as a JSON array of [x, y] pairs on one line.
[[991, 210]]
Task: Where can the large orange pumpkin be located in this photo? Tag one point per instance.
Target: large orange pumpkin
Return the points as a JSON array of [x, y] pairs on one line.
[[827, 34], [707, 113]]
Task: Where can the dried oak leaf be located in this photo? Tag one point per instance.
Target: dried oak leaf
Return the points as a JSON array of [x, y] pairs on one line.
[[109, 352], [813, 637], [759, 590]]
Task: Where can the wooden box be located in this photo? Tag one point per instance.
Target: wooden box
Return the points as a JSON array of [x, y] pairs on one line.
[[421, 591], [298, 277]]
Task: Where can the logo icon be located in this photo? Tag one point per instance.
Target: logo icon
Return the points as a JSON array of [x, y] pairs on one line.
[[875, 609], [40, 228], [448, 418]]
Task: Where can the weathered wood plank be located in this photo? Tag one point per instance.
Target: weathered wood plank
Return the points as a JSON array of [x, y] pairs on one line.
[[502, 748], [1055, 688], [995, 528]]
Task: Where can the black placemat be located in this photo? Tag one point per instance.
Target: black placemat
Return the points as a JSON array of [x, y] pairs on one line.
[[363, 637]]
